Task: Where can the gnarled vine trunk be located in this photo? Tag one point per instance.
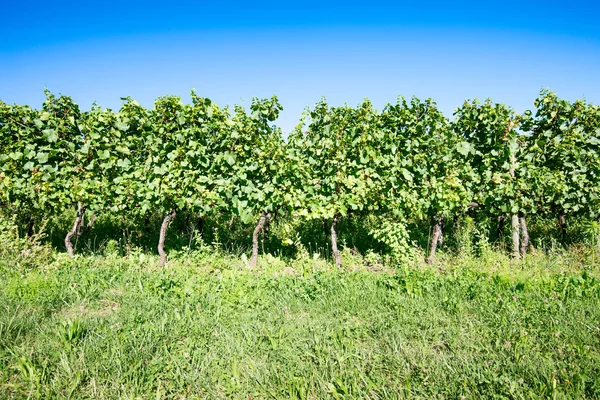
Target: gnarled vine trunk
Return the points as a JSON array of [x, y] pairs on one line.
[[267, 226], [75, 230], [334, 249], [30, 226], [326, 228], [443, 229], [524, 236], [500, 226], [514, 224], [562, 221], [163, 234], [147, 223], [200, 225], [90, 224], [598, 238], [259, 227], [81, 226], [473, 205], [435, 238]]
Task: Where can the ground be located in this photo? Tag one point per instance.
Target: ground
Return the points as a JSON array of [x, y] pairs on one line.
[[207, 327]]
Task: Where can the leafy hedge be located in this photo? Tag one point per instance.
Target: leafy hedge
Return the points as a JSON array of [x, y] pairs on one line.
[[406, 164]]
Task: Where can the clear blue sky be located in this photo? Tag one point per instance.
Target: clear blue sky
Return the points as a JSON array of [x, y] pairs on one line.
[[230, 52]]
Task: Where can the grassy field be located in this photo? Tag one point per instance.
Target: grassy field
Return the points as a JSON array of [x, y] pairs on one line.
[[119, 327]]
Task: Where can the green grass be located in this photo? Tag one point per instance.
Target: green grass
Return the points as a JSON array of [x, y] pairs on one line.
[[119, 327]]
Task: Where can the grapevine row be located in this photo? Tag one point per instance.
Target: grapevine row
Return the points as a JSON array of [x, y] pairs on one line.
[[407, 162]]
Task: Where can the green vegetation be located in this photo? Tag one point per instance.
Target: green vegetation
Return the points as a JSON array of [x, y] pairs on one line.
[[208, 327], [363, 257], [407, 166]]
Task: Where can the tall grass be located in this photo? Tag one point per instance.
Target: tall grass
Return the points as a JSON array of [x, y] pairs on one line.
[[116, 326]]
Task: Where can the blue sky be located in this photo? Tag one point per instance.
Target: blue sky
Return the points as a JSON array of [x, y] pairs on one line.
[[230, 52]]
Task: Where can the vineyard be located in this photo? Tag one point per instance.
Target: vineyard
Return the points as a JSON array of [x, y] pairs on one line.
[[406, 176], [193, 251]]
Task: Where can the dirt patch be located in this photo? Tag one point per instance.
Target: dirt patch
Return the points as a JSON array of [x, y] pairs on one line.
[[107, 307], [115, 292]]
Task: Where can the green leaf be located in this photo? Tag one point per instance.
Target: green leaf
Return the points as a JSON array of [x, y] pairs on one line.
[[407, 175], [123, 150], [50, 135], [16, 155], [123, 163], [463, 148], [230, 158], [121, 126], [42, 158]]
